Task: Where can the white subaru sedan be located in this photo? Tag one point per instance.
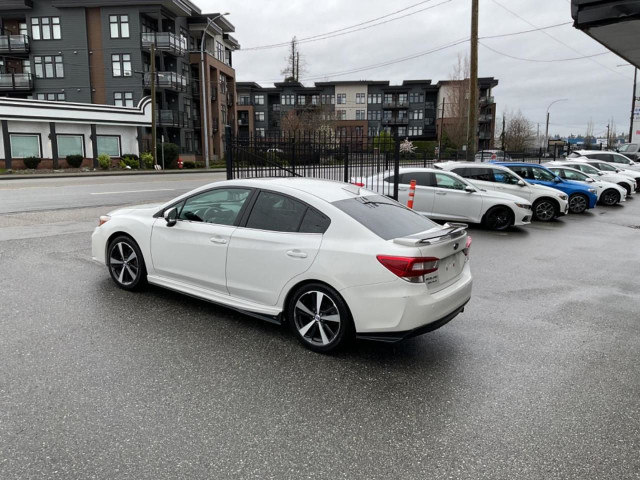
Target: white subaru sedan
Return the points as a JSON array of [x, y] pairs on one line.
[[331, 259]]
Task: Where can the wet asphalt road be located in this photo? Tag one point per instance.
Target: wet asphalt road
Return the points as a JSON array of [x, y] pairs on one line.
[[538, 379]]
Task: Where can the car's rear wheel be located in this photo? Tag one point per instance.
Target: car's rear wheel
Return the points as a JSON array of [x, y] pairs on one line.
[[545, 210], [125, 263], [498, 218], [610, 197], [578, 203], [320, 318]]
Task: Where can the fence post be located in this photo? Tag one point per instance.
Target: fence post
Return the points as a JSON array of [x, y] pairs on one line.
[[294, 142], [396, 165], [346, 164], [228, 151]]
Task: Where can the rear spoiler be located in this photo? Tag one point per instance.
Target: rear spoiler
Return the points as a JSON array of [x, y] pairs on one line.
[[430, 237]]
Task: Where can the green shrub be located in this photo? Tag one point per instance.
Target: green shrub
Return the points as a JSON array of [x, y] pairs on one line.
[[32, 162], [74, 161], [129, 162], [104, 160], [171, 153], [189, 164], [147, 160], [199, 165]]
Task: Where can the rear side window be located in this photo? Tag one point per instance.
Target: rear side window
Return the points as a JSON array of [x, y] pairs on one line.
[[524, 172], [424, 179], [277, 213], [476, 173], [314, 222], [385, 217]]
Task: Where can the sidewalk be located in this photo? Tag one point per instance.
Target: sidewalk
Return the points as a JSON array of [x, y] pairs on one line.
[[103, 173]]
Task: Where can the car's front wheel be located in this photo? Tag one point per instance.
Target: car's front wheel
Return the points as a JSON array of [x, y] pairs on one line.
[[498, 218], [545, 210], [627, 188], [125, 263], [578, 203], [610, 197], [319, 318]]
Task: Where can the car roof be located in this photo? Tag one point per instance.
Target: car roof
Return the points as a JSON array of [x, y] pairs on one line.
[[472, 164], [515, 164]]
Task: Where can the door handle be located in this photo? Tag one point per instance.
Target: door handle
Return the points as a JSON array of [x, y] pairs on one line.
[[296, 254], [218, 240], [441, 193]]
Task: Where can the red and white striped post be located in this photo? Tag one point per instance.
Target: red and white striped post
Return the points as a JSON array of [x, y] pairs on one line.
[[412, 193]]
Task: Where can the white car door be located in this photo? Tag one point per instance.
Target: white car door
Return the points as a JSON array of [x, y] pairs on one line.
[[452, 201], [194, 250], [507, 182], [279, 241], [424, 194]]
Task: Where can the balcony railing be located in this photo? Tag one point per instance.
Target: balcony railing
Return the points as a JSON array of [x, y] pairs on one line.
[[165, 41], [395, 105], [170, 80], [243, 121], [171, 118], [486, 100], [487, 117], [14, 44], [244, 101], [11, 82], [395, 121]]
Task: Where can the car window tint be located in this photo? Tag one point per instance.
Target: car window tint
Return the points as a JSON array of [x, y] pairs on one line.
[[542, 174], [476, 173], [385, 217], [314, 222], [423, 179], [220, 206], [577, 176], [524, 172], [447, 181], [502, 176], [276, 212], [607, 168]]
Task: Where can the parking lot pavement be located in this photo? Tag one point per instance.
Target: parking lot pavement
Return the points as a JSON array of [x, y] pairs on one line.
[[538, 379]]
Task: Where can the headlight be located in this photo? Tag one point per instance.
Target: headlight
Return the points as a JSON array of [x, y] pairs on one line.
[[103, 219], [592, 190], [563, 197], [523, 205]]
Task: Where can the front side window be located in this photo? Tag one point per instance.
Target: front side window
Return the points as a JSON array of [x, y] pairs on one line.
[[119, 26], [276, 213], [501, 176], [70, 145], [46, 28], [24, 146], [447, 181], [543, 175], [109, 144], [607, 168], [49, 66], [121, 65], [571, 175], [123, 99], [220, 206]]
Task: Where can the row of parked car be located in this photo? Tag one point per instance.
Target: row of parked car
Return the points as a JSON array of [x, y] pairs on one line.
[[502, 194]]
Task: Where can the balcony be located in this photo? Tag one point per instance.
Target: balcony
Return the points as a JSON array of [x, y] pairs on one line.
[[244, 101], [165, 42], [486, 100], [395, 121], [484, 135], [392, 105], [243, 121], [14, 45], [485, 117], [171, 80], [16, 82], [214, 92], [171, 118]]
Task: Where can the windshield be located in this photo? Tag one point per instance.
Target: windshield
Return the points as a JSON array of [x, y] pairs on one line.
[[385, 217], [608, 168], [587, 169], [629, 147]]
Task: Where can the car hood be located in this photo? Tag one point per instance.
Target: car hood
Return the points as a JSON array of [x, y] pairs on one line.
[[630, 173], [136, 209], [546, 190]]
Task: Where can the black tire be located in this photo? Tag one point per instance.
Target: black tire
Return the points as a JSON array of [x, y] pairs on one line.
[[610, 197], [498, 218], [545, 209], [627, 188], [325, 331], [578, 203], [126, 264]]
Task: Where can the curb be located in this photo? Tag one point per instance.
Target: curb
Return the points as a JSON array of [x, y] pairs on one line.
[[11, 176]]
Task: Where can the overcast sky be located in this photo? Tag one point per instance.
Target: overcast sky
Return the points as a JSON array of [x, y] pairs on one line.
[[595, 88]]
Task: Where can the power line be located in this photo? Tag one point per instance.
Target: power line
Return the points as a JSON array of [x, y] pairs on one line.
[[352, 29], [525, 31], [543, 61]]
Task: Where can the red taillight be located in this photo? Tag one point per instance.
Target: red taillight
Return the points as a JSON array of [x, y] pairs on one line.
[[467, 246], [409, 267], [358, 184]]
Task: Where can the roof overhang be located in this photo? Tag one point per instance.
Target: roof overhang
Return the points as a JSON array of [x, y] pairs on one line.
[[613, 23]]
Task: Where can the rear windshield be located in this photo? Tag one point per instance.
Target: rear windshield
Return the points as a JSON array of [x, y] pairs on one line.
[[629, 147], [385, 217]]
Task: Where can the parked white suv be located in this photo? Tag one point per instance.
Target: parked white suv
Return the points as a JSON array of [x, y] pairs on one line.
[[619, 159], [548, 203]]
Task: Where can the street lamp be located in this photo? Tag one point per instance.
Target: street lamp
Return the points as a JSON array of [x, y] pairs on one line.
[[546, 134], [205, 100]]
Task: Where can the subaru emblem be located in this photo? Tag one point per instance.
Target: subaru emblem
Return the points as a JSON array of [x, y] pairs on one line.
[[455, 246]]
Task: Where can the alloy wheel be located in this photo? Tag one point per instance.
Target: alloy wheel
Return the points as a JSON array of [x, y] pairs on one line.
[[498, 219], [317, 318], [577, 204], [124, 263], [610, 197], [545, 211]]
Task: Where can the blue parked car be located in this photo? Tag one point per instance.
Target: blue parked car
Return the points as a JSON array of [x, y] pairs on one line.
[[581, 196]]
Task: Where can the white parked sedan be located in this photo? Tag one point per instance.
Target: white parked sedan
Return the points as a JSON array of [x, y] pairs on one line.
[[447, 196], [627, 183], [610, 168], [608, 193], [331, 259]]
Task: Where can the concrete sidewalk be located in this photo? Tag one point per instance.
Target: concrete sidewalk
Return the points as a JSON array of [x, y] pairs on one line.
[[102, 173]]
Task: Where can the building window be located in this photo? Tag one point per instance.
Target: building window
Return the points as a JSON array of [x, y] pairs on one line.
[[26, 66], [46, 28], [416, 97], [388, 98], [244, 100], [341, 114], [109, 144], [188, 108], [387, 115], [315, 99], [374, 115], [373, 131], [416, 114], [428, 121], [360, 115], [23, 29], [220, 51], [287, 99], [415, 131], [119, 26], [328, 99], [402, 131], [342, 99], [341, 131], [52, 97], [429, 105], [260, 132], [402, 114], [360, 98], [258, 99], [24, 146], [70, 145], [148, 25], [302, 100], [49, 66], [402, 99], [375, 98], [123, 99], [121, 65], [359, 131], [259, 116]]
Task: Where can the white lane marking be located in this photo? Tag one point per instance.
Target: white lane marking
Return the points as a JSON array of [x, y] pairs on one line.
[[135, 191]]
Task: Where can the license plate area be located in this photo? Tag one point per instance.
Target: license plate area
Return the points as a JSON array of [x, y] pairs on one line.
[[449, 269]]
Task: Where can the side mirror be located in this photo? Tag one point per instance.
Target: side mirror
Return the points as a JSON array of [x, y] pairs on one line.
[[522, 183], [171, 217], [557, 180], [469, 189], [590, 180]]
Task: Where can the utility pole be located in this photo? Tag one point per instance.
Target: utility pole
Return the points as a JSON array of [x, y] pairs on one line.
[[608, 139], [154, 140], [502, 137], [297, 75], [546, 134], [472, 133], [444, 99], [633, 102]]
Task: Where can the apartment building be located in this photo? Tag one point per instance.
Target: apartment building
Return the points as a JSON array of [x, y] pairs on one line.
[[356, 108], [99, 51]]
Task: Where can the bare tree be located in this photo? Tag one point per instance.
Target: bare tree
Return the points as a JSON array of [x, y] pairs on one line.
[[613, 135], [519, 133], [456, 94], [296, 63], [588, 138], [306, 121]]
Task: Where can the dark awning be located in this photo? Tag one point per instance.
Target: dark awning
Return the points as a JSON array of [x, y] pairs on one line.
[[613, 23]]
